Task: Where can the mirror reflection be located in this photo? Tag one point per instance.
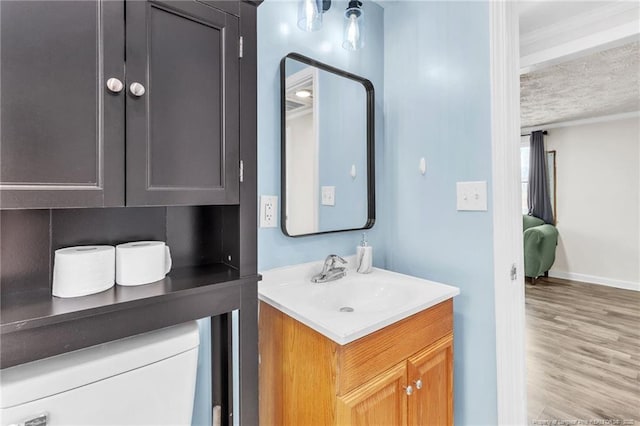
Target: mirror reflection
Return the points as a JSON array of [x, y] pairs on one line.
[[327, 148]]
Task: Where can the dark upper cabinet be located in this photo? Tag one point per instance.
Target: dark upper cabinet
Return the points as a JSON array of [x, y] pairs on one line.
[[61, 130], [63, 138], [183, 132]]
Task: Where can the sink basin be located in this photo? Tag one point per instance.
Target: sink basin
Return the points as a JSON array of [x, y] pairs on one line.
[[351, 307], [361, 296]]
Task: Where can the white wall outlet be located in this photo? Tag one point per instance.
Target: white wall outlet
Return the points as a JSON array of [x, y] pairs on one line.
[[328, 195], [471, 196], [268, 211]]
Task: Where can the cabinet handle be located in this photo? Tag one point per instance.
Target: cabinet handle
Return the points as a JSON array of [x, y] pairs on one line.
[[114, 85], [418, 384], [137, 89], [408, 389]]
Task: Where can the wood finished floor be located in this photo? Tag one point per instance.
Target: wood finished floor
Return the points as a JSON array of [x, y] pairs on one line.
[[583, 352]]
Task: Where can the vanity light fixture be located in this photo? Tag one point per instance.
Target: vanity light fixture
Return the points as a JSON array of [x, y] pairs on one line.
[[354, 26], [310, 14], [303, 93]]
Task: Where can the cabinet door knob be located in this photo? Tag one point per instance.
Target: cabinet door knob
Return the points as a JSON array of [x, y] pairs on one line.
[[418, 384], [114, 85], [408, 389], [137, 89]]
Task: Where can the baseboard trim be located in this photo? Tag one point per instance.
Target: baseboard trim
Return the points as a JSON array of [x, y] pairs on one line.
[[592, 279]]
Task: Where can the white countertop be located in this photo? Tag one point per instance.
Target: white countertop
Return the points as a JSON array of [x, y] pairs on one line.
[[378, 299]]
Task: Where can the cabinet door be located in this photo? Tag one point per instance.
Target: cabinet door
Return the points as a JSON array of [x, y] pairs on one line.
[[62, 130], [183, 131], [381, 401], [432, 404]]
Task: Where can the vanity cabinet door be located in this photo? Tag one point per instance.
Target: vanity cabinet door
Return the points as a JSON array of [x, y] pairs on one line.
[[432, 404], [62, 129], [380, 401], [182, 104]]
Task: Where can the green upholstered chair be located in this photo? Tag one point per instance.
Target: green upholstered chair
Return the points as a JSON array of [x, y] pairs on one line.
[[540, 241]]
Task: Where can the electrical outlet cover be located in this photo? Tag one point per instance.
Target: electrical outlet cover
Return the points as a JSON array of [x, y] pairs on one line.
[[268, 211]]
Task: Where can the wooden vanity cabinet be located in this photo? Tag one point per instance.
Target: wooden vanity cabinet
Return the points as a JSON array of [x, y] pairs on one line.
[[433, 403], [306, 378], [385, 400], [382, 400]]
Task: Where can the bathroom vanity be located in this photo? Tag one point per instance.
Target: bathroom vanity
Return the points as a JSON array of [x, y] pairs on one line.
[[365, 349]]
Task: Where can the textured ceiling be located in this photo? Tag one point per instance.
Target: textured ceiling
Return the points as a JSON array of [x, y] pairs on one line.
[[601, 83]]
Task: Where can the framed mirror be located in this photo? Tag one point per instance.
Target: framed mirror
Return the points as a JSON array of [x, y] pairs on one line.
[[327, 148]]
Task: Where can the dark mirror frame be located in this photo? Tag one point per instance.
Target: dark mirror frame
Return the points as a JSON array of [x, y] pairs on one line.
[[371, 187]]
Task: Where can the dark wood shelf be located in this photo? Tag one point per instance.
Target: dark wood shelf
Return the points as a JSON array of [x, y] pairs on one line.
[[35, 325]]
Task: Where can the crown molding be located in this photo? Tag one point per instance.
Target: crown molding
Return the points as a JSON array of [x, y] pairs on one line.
[[582, 34], [582, 122], [583, 20], [594, 42]]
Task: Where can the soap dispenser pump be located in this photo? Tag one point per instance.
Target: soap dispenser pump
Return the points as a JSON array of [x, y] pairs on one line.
[[364, 256]]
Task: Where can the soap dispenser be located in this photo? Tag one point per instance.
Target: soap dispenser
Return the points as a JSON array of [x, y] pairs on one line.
[[364, 256]]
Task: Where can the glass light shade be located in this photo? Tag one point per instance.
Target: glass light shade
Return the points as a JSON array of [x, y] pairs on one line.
[[310, 15], [353, 29]]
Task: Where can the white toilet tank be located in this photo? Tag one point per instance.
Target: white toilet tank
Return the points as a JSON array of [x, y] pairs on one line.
[[147, 379]]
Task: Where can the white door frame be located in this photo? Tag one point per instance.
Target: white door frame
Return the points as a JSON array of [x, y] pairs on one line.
[[507, 215]]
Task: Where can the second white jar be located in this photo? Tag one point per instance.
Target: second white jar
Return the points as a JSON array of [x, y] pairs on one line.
[[142, 262]]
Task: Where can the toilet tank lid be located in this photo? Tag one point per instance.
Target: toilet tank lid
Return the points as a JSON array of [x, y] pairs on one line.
[[49, 376]]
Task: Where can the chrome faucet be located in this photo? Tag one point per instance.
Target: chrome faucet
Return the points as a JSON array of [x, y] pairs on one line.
[[330, 271]]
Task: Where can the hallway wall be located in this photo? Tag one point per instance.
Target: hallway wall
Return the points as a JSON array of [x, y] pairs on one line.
[[437, 106]]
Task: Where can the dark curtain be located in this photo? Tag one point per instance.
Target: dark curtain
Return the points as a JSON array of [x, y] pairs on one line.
[[538, 197]]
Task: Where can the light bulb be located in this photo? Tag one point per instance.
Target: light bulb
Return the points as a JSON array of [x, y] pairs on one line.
[[353, 26], [310, 13], [309, 16], [352, 36]]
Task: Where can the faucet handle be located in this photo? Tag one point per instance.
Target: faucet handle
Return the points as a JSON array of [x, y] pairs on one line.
[[338, 258], [330, 262]]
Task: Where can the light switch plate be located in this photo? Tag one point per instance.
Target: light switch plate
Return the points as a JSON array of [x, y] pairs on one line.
[[268, 211], [328, 195], [471, 196]]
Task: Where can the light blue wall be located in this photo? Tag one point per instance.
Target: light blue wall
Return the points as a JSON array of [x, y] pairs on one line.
[[343, 143], [437, 106], [278, 35]]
